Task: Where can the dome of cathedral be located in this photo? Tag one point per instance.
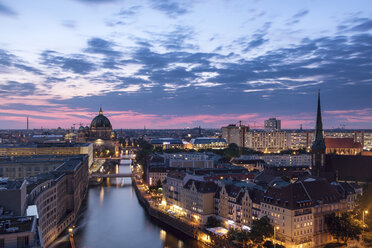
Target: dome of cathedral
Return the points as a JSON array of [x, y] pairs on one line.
[[100, 121]]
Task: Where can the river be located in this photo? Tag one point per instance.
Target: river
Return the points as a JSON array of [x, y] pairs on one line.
[[113, 217]]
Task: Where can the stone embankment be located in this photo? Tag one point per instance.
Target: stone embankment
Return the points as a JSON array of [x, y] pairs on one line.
[[195, 232]]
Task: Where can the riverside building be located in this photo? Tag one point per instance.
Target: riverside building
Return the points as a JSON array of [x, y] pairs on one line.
[[58, 196]]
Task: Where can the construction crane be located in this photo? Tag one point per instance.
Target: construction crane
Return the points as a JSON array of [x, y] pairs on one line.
[[80, 124], [254, 126], [240, 124]]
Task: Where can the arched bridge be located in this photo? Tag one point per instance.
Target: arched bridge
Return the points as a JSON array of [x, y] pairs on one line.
[[102, 175]]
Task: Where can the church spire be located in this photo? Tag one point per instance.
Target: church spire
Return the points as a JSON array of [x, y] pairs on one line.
[[100, 110], [319, 140]]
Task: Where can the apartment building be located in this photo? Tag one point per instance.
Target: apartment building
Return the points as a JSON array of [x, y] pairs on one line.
[[233, 206], [197, 200], [173, 187], [266, 141], [190, 160], [280, 160], [272, 125], [274, 141], [58, 196], [298, 211], [235, 134]]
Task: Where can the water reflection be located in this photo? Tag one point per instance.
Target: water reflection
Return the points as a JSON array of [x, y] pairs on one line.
[[114, 218], [101, 196]]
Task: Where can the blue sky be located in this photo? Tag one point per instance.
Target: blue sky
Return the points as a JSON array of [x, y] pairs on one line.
[[182, 64]]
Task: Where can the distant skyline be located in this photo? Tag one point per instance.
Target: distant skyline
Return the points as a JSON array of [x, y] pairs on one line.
[[185, 63]]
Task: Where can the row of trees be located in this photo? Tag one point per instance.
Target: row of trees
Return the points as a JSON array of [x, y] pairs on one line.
[[260, 231], [342, 227]]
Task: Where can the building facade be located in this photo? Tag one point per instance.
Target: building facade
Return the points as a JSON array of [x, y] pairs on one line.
[[281, 160], [235, 134], [208, 143], [273, 125], [48, 149], [58, 196]]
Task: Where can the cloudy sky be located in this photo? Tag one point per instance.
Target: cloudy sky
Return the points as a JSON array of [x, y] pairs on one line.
[[177, 64]]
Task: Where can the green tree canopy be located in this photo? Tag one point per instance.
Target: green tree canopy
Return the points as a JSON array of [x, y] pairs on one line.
[[232, 151], [213, 222], [261, 229], [343, 227]]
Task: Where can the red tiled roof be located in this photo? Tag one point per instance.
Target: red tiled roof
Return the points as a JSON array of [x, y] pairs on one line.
[[302, 194], [341, 143]]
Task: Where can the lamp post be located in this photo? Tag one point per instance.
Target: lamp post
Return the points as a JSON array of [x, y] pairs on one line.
[[364, 213], [275, 230], [71, 236]]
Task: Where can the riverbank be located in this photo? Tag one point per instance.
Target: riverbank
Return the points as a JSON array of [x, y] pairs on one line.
[[193, 231]]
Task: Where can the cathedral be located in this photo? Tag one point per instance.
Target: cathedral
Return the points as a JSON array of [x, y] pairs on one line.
[[100, 133]]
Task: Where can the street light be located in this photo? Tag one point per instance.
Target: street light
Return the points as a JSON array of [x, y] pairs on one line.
[[275, 230], [364, 213], [71, 236]]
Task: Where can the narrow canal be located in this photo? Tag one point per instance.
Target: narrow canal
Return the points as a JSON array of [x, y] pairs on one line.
[[113, 217]]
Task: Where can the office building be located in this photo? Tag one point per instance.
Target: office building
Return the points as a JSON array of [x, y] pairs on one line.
[[48, 149], [208, 143]]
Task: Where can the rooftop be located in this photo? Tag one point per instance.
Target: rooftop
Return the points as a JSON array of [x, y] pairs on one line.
[[17, 224], [202, 186], [6, 184], [341, 143], [70, 164], [38, 145], [302, 194], [165, 141], [207, 140]]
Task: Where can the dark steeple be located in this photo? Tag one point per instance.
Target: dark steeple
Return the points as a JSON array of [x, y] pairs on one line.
[[100, 110], [318, 148], [318, 143]]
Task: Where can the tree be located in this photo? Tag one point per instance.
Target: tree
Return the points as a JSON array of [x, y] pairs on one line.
[[261, 229], [249, 151], [363, 204], [158, 184], [213, 222], [343, 227], [240, 236], [232, 151], [269, 244], [145, 149]]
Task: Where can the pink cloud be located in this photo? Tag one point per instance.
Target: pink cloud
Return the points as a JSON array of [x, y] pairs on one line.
[[62, 116]]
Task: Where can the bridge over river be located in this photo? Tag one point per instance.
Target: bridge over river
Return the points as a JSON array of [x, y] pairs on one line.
[[103, 175]]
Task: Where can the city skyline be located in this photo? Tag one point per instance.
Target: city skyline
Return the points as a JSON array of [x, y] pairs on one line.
[[178, 64]]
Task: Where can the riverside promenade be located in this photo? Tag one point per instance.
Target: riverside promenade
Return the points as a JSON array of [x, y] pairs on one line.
[[191, 230]]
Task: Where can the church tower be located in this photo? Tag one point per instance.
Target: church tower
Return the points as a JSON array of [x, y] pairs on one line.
[[318, 148]]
